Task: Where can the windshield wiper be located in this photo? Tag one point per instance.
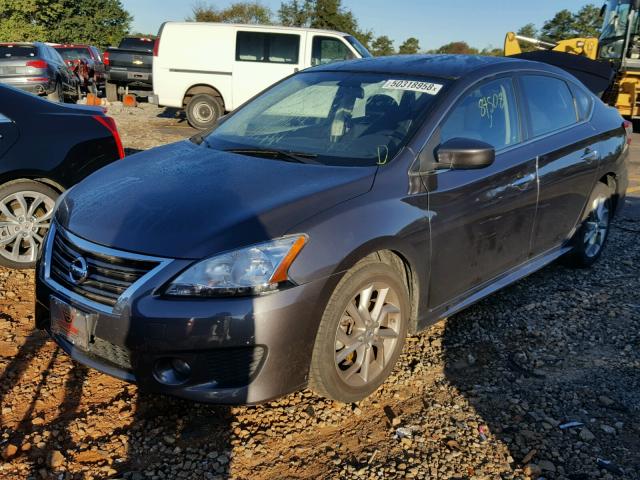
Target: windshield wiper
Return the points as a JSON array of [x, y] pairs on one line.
[[298, 157]]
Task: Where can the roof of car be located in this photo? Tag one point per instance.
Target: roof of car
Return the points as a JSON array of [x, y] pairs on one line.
[[440, 66], [246, 26]]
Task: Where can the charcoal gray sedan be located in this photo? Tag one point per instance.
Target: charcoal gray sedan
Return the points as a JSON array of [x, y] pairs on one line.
[[304, 237]]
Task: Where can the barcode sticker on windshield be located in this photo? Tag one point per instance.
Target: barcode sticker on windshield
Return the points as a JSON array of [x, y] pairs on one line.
[[413, 86]]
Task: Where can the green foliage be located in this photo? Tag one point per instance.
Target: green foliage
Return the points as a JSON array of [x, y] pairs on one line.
[[458, 48], [96, 22], [492, 52], [324, 14], [382, 46], [409, 46], [565, 24], [239, 12]]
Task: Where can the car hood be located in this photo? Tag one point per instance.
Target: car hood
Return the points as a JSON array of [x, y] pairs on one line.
[[187, 201]]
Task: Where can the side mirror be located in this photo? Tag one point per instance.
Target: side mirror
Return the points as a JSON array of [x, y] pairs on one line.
[[464, 154]]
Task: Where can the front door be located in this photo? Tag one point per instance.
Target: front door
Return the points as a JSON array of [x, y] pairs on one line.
[[481, 220], [263, 59]]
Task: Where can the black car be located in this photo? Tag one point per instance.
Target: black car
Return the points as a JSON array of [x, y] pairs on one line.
[[130, 65], [45, 148], [302, 239], [37, 68]]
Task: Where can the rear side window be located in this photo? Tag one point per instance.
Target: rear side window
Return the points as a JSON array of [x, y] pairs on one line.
[[583, 103], [17, 51], [487, 113], [551, 104], [267, 47], [327, 50]]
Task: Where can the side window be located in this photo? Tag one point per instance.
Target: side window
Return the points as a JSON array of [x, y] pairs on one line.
[[327, 50], [550, 102], [583, 103], [267, 47], [487, 112]]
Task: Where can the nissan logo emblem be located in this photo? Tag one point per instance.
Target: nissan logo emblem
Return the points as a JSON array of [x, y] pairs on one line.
[[78, 270]]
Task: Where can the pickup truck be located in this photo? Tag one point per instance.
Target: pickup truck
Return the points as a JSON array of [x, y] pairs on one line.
[[129, 65]]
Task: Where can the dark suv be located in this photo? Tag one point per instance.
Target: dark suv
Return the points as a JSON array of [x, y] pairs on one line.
[[37, 68]]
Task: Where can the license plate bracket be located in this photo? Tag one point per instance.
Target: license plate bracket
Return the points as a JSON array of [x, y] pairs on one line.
[[74, 325]]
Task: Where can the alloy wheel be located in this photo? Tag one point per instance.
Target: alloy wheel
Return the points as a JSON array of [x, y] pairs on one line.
[[25, 218], [597, 226], [368, 334]]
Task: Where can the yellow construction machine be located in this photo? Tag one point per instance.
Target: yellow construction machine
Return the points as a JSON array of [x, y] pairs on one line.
[[609, 65]]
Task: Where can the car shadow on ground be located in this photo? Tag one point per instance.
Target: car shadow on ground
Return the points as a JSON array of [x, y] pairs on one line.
[[176, 113], [528, 375]]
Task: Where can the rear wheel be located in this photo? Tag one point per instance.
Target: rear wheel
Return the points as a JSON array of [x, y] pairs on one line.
[[26, 208], [361, 333], [203, 111], [590, 239]]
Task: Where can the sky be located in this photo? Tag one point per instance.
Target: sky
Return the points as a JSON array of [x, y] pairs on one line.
[[481, 23]]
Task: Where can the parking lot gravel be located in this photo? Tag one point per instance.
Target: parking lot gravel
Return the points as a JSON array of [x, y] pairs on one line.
[[541, 380]]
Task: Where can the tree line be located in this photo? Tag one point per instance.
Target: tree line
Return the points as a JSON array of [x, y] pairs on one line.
[[106, 22]]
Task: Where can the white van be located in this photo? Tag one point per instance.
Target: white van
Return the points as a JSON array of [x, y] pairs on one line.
[[212, 68]]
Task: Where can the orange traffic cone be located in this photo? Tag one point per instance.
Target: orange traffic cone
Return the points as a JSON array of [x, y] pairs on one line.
[[129, 100]]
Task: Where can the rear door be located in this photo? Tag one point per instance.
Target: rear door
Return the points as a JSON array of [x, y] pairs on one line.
[[262, 59], [481, 219], [567, 148]]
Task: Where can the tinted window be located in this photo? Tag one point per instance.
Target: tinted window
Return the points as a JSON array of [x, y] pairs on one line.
[[267, 47], [327, 50], [73, 53], [486, 113], [551, 105], [144, 44], [583, 103], [18, 51]]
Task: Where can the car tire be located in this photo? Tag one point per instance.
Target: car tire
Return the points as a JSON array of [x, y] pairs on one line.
[[355, 352], [111, 91], [591, 237], [204, 110], [26, 208], [58, 94]]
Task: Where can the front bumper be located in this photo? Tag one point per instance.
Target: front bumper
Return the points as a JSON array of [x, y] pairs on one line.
[[241, 350]]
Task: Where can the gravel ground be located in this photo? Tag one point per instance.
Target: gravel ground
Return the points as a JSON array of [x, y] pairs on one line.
[[485, 394]]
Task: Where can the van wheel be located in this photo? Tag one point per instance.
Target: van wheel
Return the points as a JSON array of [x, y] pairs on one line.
[[591, 238], [204, 110], [112, 92], [361, 333], [26, 208]]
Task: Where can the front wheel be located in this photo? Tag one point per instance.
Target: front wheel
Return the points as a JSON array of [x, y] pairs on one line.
[[361, 333], [26, 208], [591, 237]]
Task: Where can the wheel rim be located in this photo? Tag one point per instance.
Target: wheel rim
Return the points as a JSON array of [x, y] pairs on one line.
[[367, 335], [597, 226], [203, 112], [25, 218]]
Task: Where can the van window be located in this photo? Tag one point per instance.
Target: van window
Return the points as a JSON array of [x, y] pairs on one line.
[[327, 50], [488, 113], [267, 47], [551, 105]]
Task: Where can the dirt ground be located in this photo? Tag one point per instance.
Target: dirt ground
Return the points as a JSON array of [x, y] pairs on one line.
[[486, 394]]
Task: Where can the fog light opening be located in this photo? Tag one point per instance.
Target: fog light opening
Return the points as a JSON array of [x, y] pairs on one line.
[[171, 371]]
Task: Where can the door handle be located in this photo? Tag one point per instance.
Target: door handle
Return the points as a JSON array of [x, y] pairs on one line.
[[589, 156]]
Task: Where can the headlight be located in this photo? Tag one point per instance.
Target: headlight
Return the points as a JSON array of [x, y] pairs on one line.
[[248, 271]]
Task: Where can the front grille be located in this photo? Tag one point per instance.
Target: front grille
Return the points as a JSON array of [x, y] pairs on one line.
[[108, 276], [232, 367]]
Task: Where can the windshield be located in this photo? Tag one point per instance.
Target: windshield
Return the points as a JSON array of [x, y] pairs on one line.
[[72, 53], [134, 43], [615, 20], [361, 49], [332, 118]]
